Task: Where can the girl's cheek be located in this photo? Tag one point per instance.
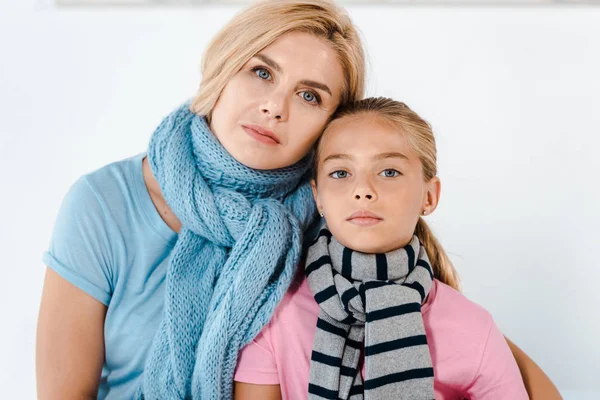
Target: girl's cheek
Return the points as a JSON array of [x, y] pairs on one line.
[[337, 191]]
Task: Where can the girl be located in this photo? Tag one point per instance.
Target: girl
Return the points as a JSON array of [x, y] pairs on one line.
[[379, 314]]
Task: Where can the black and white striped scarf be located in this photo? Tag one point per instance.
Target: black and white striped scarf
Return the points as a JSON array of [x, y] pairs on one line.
[[376, 298]]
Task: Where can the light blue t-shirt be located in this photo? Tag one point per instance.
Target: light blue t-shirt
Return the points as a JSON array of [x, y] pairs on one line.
[[110, 242]]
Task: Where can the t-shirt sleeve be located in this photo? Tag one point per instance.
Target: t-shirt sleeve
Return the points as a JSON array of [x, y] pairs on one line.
[[80, 249], [498, 376], [256, 362]]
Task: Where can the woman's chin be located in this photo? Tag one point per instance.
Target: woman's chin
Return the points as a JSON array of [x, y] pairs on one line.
[[260, 159]]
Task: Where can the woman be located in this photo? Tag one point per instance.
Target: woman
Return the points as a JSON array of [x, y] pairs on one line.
[[147, 292]]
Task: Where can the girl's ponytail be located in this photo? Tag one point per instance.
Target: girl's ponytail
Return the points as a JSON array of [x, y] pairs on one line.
[[443, 269]]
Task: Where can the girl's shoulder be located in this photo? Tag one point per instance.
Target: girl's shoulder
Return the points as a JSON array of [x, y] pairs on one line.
[[297, 302], [456, 303], [443, 304], [470, 354], [449, 308]]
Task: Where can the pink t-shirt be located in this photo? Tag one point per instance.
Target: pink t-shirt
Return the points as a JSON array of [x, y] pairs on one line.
[[470, 357]]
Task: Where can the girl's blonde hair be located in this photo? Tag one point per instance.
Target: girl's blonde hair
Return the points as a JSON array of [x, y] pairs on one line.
[[419, 136], [260, 25]]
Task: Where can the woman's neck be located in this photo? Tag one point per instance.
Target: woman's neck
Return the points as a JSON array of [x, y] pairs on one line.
[[157, 198]]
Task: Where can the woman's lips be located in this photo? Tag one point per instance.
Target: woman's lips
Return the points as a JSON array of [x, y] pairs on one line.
[[261, 134]]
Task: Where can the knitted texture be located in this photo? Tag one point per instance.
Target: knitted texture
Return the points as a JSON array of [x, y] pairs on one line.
[[375, 300], [240, 242]]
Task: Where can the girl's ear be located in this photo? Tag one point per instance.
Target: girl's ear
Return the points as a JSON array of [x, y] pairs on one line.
[[432, 195], [313, 185]]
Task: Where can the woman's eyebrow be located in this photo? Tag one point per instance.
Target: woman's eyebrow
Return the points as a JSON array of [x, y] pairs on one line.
[[317, 85], [271, 63]]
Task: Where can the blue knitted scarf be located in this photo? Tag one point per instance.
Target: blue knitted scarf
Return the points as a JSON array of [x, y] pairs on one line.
[[237, 251]]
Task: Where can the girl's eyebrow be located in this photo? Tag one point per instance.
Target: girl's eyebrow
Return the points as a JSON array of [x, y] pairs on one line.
[[378, 157], [337, 157], [383, 156], [271, 63]]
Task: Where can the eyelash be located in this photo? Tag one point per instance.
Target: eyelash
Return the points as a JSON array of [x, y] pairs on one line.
[[398, 173], [317, 98], [335, 172], [258, 68]]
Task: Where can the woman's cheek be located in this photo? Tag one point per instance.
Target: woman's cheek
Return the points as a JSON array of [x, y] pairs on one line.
[[252, 84]]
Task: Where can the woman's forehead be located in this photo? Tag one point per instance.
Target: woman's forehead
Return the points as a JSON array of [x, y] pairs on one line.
[[306, 57]]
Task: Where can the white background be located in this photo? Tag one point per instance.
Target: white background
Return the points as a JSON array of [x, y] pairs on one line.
[[512, 94]]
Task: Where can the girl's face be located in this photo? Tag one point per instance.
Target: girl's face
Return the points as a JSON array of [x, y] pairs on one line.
[[370, 185], [273, 110]]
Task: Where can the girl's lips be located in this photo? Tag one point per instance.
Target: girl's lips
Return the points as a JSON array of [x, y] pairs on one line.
[[364, 218], [364, 221]]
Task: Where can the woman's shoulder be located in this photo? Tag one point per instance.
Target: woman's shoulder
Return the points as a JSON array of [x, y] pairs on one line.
[[101, 222], [84, 247], [119, 177], [105, 198], [116, 194]]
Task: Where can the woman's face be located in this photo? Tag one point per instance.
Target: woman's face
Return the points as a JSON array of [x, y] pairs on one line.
[[370, 185], [273, 110]]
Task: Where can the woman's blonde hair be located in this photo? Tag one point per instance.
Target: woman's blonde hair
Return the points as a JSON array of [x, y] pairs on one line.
[[260, 25], [419, 136]]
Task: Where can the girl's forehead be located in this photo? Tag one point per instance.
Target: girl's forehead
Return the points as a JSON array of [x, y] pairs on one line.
[[362, 126], [360, 136], [364, 121]]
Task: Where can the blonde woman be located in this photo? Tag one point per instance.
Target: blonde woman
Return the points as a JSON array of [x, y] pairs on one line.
[[164, 265]]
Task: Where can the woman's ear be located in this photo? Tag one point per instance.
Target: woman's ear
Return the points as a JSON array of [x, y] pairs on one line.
[[313, 185], [432, 195]]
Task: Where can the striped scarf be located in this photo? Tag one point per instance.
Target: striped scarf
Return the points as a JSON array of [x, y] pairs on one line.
[[376, 298]]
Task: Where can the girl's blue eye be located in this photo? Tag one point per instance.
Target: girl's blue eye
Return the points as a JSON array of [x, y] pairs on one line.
[[308, 96], [263, 73], [389, 173], [339, 174]]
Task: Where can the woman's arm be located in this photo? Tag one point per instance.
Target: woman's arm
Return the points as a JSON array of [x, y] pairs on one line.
[[70, 341], [248, 391], [537, 383]]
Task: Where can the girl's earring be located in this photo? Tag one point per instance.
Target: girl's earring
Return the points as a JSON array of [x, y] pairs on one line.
[[321, 214], [424, 212]]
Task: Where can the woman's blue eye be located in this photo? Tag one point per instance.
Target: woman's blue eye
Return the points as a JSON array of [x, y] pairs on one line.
[[308, 96], [390, 173], [263, 73], [339, 174]]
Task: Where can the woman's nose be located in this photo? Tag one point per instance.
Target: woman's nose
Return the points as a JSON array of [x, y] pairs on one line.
[[275, 106]]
